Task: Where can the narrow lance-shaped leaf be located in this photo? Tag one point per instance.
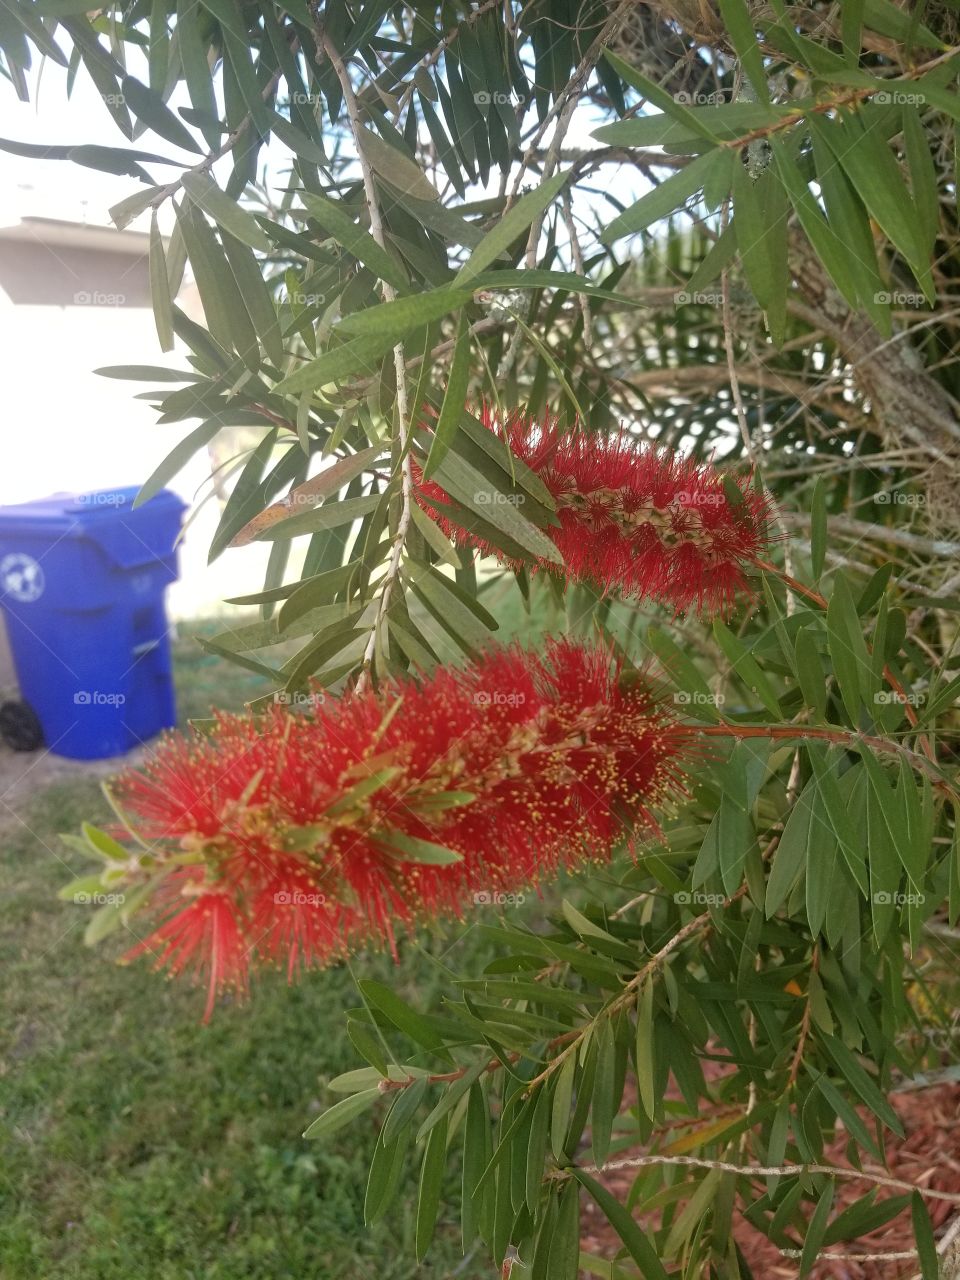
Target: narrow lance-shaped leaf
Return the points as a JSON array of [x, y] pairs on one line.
[[160, 287], [453, 399]]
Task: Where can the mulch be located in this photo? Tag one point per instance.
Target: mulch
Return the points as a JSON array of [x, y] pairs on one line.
[[927, 1156]]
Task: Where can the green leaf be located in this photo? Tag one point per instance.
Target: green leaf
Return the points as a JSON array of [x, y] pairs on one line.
[[646, 1050], [746, 667], [384, 1180], [454, 399], [848, 650], [560, 1108], [761, 209], [255, 295], [358, 356], [632, 1236], [176, 459], [397, 318], [667, 198], [475, 1145], [861, 1083], [464, 619], [659, 96], [328, 516], [792, 851], [367, 1044], [512, 225], [431, 1179], [160, 287], [926, 1244], [154, 112], [341, 1113], [816, 1229], [865, 156], [104, 921], [412, 849], [537, 1150], [502, 510], [739, 24], [829, 247], [395, 166], [565, 1245], [203, 191], [407, 1020], [339, 224]]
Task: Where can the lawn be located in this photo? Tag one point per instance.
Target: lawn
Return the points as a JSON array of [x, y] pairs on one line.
[[140, 1143]]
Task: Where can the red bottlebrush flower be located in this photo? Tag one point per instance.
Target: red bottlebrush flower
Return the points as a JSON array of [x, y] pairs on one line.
[[631, 518], [308, 836]]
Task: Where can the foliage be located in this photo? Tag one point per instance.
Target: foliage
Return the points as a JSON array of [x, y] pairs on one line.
[[789, 308]]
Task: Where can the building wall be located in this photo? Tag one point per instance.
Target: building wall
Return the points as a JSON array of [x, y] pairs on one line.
[[64, 312]]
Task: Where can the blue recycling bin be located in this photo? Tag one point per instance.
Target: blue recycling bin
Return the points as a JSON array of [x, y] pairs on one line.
[[82, 582]]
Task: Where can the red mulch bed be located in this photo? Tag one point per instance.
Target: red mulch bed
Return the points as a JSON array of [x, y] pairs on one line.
[[928, 1156]]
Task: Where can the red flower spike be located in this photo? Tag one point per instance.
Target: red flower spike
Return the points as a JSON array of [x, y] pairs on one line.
[[311, 836], [632, 519]]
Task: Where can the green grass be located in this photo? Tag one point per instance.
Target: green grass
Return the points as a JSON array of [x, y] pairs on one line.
[[140, 1143]]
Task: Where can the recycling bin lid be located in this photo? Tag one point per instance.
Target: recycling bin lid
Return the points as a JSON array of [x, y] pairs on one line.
[[129, 535], [66, 511]]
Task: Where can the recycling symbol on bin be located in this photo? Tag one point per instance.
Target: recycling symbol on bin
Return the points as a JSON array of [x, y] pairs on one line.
[[21, 577]]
